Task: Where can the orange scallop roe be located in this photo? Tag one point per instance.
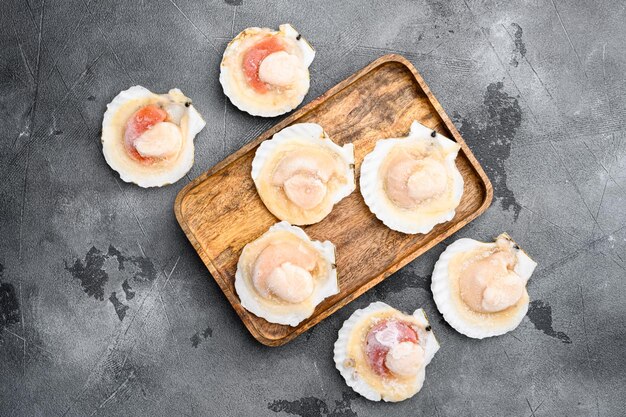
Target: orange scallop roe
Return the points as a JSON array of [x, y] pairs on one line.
[[252, 60], [141, 121], [376, 351]]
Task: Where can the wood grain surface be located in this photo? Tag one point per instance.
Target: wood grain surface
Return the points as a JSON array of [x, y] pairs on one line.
[[221, 212]]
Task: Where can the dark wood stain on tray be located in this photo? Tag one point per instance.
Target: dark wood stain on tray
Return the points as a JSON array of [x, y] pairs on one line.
[[220, 211]]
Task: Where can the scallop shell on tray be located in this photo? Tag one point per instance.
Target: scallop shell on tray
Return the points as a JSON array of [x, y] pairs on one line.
[[280, 301], [432, 150], [300, 174]]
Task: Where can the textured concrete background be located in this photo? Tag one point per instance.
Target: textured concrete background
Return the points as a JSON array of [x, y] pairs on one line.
[[105, 309]]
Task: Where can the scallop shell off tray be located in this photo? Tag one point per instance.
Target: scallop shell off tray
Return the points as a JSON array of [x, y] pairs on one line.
[[221, 211]]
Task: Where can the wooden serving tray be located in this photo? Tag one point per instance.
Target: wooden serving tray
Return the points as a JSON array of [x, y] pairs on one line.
[[220, 211]]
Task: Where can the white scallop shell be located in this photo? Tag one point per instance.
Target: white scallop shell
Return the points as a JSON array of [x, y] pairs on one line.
[[129, 170], [447, 307], [314, 133], [289, 314], [262, 107], [374, 195], [353, 380]]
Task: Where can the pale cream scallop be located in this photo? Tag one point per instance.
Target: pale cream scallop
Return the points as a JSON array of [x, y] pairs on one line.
[[409, 182], [503, 293], [490, 285], [281, 69], [317, 164], [406, 361], [290, 283], [305, 190], [412, 184], [161, 141], [285, 72], [480, 288], [300, 174], [428, 181], [169, 144], [283, 275], [303, 178], [277, 254]]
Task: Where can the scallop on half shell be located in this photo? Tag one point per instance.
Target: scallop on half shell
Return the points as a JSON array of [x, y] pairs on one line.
[[382, 353], [148, 138], [266, 72], [300, 174], [480, 288], [283, 275], [412, 184]]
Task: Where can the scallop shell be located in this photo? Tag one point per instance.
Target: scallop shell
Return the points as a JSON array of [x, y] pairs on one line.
[[341, 355], [254, 103], [288, 314], [314, 133], [450, 309], [374, 194], [115, 117]]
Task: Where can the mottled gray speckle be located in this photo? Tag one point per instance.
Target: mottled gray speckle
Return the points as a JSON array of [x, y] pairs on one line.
[[9, 304], [397, 283], [315, 407], [120, 308], [128, 290], [540, 315], [90, 273], [93, 276], [146, 270], [197, 337], [490, 134], [519, 50]]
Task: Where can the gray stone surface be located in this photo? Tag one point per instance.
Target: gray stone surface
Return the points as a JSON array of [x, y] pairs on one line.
[[105, 309]]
